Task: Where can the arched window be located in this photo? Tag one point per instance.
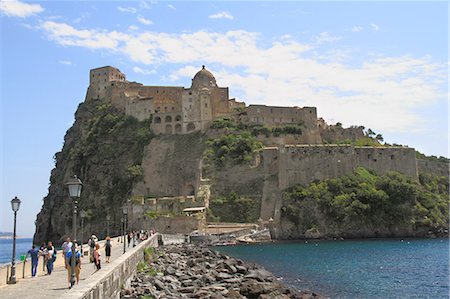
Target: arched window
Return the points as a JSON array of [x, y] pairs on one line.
[[190, 127], [178, 128], [168, 119], [168, 129], [178, 118], [157, 120]]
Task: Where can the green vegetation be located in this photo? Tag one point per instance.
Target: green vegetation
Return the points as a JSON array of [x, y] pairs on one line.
[[255, 129], [233, 208], [105, 148], [365, 199], [232, 149], [149, 257]]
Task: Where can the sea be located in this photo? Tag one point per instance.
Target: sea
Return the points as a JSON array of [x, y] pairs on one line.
[[6, 245], [409, 268]]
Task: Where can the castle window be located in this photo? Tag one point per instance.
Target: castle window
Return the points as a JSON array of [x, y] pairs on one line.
[[271, 110], [165, 109], [178, 118], [157, 120], [190, 93], [190, 127], [168, 129], [178, 128], [173, 108], [206, 105], [168, 119], [392, 157]]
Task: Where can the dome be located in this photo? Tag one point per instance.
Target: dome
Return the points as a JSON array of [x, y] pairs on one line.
[[203, 78]]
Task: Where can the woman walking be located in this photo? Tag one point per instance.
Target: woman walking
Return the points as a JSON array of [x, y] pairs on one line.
[[108, 246], [51, 257], [97, 256]]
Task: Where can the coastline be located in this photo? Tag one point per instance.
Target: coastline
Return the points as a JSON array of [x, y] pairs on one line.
[[184, 271]]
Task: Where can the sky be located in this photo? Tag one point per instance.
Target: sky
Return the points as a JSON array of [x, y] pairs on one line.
[[383, 65]]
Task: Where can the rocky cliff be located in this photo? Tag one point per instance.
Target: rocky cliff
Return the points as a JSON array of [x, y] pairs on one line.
[[105, 149]]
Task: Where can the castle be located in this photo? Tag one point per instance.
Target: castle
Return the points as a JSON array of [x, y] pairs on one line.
[[180, 110]]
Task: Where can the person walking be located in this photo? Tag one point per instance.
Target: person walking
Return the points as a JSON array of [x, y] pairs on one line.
[[34, 253], [42, 252], [51, 257], [77, 264], [92, 241], [66, 246], [108, 246], [97, 256]]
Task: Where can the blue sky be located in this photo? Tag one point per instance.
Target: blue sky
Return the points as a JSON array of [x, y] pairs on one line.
[[383, 65]]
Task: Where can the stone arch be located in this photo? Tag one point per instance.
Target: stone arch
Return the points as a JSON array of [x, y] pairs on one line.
[[190, 190], [157, 120], [168, 129], [178, 128], [168, 119], [178, 118], [190, 127]]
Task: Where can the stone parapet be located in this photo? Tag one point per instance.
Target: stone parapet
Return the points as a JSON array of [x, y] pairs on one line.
[[111, 282]]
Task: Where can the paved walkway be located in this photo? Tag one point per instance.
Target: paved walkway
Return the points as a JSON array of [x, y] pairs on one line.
[[56, 285]]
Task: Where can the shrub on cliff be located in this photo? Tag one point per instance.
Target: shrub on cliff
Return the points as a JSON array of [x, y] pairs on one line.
[[233, 208], [366, 199], [232, 149]]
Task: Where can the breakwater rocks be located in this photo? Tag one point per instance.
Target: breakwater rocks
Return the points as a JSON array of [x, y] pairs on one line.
[[187, 271]]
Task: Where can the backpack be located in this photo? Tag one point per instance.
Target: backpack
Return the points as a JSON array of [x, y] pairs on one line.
[[92, 244], [77, 260]]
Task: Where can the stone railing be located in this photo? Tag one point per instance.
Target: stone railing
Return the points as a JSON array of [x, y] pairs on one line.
[[109, 284]]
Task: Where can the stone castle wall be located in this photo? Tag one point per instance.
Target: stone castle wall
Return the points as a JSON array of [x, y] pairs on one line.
[[434, 167], [290, 165]]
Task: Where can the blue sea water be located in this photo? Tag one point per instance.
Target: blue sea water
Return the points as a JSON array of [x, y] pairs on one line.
[[356, 269], [6, 245]]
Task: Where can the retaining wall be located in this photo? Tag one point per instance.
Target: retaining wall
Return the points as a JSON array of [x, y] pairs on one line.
[[110, 284]]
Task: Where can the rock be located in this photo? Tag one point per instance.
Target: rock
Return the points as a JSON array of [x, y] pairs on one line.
[[260, 275], [170, 270], [159, 285], [253, 289], [241, 269], [223, 275]]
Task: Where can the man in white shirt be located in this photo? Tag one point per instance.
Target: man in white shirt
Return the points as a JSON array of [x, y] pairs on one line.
[[66, 247]]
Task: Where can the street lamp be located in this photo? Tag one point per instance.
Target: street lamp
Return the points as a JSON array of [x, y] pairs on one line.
[[83, 214], [15, 205], [108, 218], [124, 213], [74, 185]]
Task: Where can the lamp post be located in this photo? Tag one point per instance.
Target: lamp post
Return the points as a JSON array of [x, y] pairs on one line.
[[15, 205], [74, 185], [83, 215], [124, 213], [108, 218]]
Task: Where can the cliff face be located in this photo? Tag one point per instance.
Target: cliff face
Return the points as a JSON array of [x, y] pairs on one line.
[[104, 148]]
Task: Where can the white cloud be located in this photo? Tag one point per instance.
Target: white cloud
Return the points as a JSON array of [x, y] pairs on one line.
[[127, 9], [138, 70], [13, 8], [132, 27], [385, 93], [357, 29], [221, 15], [375, 26], [171, 7], [325, 37], [144, 21], [66, 62], [146, 4]]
